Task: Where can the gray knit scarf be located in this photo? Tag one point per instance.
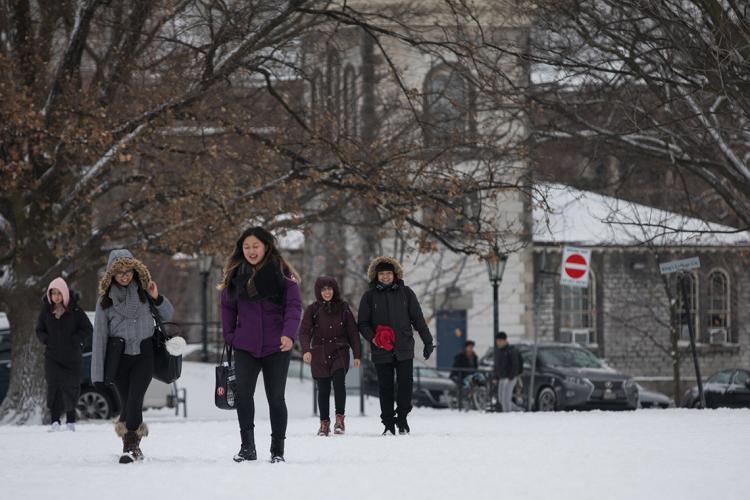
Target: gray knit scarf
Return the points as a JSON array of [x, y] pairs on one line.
[[125, 300]]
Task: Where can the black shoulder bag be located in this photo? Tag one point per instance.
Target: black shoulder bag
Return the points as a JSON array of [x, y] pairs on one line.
[[167, 368]]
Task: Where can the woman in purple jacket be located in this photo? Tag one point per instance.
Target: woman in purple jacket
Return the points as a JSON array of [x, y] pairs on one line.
[[260, 314]]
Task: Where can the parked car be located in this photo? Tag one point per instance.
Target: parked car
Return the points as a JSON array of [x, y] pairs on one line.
[[569, 377], [652, 399], [432, 388], [93, 403], [725, 389]]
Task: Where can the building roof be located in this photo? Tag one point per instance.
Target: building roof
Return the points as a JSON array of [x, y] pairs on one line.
[[564, 215]]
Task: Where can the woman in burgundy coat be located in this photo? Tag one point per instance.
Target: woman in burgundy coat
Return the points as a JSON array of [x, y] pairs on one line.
[[327, 332]]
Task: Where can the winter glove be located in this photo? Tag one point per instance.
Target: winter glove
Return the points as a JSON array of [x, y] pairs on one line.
[[428, 348]]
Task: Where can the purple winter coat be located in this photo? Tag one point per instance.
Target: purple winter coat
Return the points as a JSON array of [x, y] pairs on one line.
[[257, 326]]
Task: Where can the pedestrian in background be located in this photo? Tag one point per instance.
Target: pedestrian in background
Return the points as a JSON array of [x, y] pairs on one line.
[[63, 328], [328, 334], [508, 367]]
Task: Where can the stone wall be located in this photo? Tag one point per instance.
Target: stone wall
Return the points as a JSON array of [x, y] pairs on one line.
[[632, 310]]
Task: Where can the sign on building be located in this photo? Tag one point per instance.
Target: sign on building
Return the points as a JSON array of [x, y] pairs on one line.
[[574, 270], [680, 265]]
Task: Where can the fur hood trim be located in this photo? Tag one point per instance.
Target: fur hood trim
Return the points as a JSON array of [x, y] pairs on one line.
[[372, 275], [119, 261]]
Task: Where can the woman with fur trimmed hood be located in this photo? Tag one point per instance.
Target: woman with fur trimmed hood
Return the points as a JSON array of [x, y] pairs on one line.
[[260, 312], [123, 311], [62, 327], [327, 333], [389, 312]]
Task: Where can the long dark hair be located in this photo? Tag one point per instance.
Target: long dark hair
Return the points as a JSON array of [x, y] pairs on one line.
[[106, 301], [272, 253]]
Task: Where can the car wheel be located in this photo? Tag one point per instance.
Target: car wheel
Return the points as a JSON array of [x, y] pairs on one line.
[[93, 404], [546, 400]]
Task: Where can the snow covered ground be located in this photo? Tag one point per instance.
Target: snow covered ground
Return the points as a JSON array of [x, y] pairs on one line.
[[679, 454]]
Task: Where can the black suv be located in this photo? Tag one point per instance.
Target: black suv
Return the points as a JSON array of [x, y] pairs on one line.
[[569, 377]]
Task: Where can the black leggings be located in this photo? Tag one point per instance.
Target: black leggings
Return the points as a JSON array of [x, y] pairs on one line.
[[339, 394], [63, 389], [133, 377], [274, 367]]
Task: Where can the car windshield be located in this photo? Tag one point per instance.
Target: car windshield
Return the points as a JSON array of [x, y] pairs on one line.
[[568, 357], [720, 378]]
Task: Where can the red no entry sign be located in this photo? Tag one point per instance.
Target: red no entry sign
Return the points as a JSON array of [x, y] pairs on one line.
[[575, 267]]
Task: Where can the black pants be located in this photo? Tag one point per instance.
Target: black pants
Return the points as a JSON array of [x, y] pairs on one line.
[[403, 371], [63, 389], [275, 368], [339, 394], [133, 377]]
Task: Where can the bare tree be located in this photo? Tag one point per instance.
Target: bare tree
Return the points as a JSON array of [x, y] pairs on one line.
[[166, 125], [665, 80]]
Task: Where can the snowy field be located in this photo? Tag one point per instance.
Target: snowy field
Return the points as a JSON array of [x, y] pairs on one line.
[[672, 454]]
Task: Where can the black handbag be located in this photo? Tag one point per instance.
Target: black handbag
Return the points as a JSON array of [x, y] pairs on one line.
[[226, 383], [167, 368], [115, 348]]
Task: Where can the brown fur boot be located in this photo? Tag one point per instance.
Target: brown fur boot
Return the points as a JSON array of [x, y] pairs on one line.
[[339, 427], [325, 428]]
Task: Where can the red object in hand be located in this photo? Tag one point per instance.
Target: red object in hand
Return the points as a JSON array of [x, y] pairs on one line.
[[384, 337]]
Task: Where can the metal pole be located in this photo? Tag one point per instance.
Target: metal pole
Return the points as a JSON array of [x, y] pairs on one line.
[[204, 333], [496, 329], [685, 291]]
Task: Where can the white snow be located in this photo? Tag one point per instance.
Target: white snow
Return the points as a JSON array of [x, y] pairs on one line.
[[566, 215], [685, 454]]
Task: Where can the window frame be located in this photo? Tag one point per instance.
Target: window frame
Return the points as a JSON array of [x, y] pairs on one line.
[[591, 309], [727, 311]]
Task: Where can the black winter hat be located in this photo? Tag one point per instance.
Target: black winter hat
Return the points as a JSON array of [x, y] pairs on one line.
[[385, 266], [501, 336]]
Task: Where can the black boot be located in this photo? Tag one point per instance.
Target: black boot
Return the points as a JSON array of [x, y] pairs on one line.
[[390, 428], [247, 449], [277, 450], [403, 426]]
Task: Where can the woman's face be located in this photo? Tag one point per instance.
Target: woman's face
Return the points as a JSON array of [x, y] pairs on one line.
[[254, 250], [124, 278], [327, 293], [56, 296]]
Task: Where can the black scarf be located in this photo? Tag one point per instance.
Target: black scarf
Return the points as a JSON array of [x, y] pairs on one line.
[[264, 283]]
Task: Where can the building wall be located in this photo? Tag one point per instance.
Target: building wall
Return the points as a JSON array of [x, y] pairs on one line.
[[632, 310]]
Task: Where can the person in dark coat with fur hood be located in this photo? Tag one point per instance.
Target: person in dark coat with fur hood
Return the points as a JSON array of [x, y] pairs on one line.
[[327, 333], [389, 312], [63, 328], [123, 311]]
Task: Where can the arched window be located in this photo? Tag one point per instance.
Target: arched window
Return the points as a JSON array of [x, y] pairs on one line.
[[317, 98], [681, 316], [446, 106], [333, 92], [718, 307], [577, 313], [349, 95]]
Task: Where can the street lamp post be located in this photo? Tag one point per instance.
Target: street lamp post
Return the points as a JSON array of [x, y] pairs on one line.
[[496, 268], [205, 262]]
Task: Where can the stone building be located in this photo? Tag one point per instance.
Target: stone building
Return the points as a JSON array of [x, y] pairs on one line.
[[624, 315]]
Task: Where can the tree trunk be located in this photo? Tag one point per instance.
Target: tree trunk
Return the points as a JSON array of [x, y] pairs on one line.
[[25, 401]]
